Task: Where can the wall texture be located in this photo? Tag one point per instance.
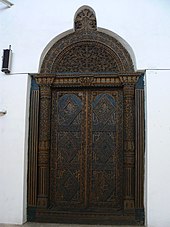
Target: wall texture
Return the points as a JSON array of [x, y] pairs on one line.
[[28, 27]]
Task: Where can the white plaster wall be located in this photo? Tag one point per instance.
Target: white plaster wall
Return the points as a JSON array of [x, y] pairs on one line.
[[14, 95], [158, 148], [29, 26]]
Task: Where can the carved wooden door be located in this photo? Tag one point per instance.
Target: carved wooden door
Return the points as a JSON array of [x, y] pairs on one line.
[[86, 155], [86, 139]]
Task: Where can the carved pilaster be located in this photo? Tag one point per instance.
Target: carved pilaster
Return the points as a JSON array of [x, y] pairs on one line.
[[139, 149], [33, 145], [129, 137], [44, 144]]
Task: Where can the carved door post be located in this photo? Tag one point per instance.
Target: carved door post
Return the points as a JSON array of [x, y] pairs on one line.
[[33, 145], [44, 141], [139, 149], [129, 141]]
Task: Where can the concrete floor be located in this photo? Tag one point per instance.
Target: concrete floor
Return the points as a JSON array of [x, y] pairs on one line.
[[60, 225]]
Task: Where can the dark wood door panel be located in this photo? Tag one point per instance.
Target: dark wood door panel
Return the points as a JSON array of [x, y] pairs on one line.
[[106, 169], [67, 180]]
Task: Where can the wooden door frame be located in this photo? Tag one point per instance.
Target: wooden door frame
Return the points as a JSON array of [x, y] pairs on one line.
[[40, 116]]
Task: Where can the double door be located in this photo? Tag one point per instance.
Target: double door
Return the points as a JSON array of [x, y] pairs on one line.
[[86, 160]]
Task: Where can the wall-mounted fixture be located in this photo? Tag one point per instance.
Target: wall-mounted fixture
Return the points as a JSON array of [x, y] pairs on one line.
[[7, 3], [6, 60], [2, 112]]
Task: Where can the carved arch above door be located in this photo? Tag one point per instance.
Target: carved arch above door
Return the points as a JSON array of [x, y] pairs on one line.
[[93, 63], [87, 41]]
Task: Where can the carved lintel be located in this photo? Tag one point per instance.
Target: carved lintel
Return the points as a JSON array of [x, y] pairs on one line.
[[86, 81], [129, 80], [45, 80], [61, 80]]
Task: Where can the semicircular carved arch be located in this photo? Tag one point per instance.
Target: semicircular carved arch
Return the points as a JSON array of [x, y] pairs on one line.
[[87, 50]]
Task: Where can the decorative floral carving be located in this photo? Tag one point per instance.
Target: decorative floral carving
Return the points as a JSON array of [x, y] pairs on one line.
[[85, 19], [44, 80], [107, 50], [86, 81], [87, 50], [86, 57]]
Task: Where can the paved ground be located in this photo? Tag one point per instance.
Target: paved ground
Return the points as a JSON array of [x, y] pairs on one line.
[[60, 225]]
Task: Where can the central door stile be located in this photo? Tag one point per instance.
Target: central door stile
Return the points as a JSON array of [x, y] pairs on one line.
[[86, 151], [88, 154], [88, 148]]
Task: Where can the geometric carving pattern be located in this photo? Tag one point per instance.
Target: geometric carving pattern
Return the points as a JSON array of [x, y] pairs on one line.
[[106, 188], [101, 152], [86, 57], [87, 50], [66, 185]]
